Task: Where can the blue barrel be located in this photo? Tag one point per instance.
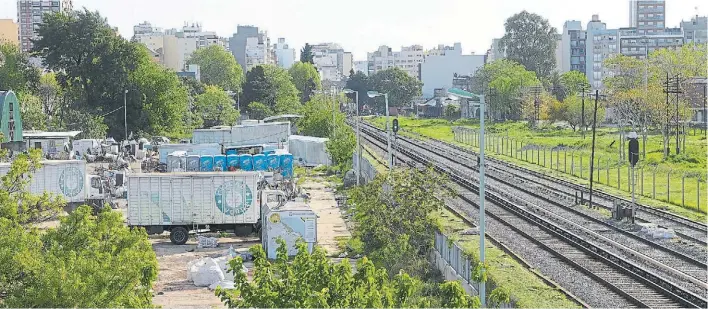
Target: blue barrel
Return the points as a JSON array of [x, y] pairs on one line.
[[193, 163], [245, 161], [206, 163], [260, 163], [219, 163], [273, 162], [231, 162], [286, 164], [231, 152]]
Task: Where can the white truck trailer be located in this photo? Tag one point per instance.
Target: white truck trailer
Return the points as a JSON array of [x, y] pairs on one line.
[[68, 179], [191, 201]]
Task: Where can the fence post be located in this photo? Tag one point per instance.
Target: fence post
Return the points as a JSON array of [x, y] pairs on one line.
[[581, 165], [598, 170], [544, 156], [619, 177], [538, 156], [653, 184], [572, 163], [668, 186], [698, 192], [641, 184], [683, 190], [565, 161]]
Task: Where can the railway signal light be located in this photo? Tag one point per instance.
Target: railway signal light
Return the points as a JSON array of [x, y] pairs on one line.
[[633, 148], [395, 125]]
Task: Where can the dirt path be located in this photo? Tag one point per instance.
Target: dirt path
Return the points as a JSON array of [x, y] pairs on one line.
[[330, 225]]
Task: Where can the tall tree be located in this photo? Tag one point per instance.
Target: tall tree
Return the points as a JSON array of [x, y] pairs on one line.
[[272, 86], [216, 108], [306, 54], [32, 115], [400, 87], [218, 67], [16, 73], [51, 95], [306, 79], [573, 82], [359, 82], [506, 84], [531, 41]]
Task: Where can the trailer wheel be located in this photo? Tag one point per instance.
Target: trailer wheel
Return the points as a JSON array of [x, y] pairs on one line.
[[179, 236]]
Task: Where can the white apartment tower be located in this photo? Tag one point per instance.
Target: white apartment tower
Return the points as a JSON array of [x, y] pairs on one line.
[[332, 61], [284, 55], [408, 59], [29, 17]]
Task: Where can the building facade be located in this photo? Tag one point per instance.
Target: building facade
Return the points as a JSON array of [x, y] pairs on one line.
[[601, 43], [638, 44], [331, 61], [248, 42], [361, 66], [573, 40], [9, 31], [284, 55], [446, 67], [29, 17], [495, 51], [695, 30], [647, 16], [408, 59]]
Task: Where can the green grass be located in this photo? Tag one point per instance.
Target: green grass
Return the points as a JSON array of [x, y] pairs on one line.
[[691, 163], [526, 289]]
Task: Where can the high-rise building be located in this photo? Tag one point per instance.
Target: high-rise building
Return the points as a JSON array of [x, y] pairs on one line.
[[29, 17], [445, 65], [332, 61], [695, 30], [647, 16], [601, 43], [573, 41], [361, 66], [284, 55], [408, 59], [251, 52], [9, 31]]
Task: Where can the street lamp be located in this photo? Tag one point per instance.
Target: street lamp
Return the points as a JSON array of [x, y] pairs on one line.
[[125, 113], [373, 94], [358, 133], [458, 93]]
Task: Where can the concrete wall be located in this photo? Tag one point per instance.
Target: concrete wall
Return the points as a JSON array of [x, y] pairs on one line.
[[439, 71]]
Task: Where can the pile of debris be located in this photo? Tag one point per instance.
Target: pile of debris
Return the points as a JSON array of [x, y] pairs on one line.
[[655, 232], [213, 272]]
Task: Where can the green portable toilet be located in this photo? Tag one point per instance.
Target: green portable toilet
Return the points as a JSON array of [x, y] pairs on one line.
[[10, 119]]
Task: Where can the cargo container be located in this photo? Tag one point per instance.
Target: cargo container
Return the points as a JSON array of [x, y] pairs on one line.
[[68, 179], [190, 149], [245, 161], [206, 163], [290, 221], [308, 150], [183, 202], [192, 163], [249, 134], [231, 162], [259, 162]]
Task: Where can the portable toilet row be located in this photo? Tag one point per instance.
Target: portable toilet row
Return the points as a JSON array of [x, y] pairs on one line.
[[244, 162]]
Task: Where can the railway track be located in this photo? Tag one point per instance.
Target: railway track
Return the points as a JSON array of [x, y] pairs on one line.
[[564, 238], [685, 228]]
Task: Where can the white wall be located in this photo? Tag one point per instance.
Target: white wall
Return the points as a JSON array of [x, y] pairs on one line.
[[438, 71]]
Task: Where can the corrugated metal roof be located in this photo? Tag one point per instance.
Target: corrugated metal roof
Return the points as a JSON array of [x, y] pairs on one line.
[[42, 134]]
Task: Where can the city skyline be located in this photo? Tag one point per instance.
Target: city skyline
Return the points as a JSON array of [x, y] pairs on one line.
[[318, 21]]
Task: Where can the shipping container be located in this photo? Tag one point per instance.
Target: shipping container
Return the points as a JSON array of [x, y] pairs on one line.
[[180, 202], [191, 149], [259, 162], [250, 134], [290, 221], [308, 150], [193, 163]]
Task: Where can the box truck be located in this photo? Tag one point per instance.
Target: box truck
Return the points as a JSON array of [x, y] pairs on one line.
[[68, 179], [192, 201]]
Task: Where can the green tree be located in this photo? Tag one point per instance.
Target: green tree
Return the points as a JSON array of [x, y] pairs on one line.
[[394, 218], [510, 82], [400, 87], [454, 296], [194, 86], [306, 79], [218, 67], [306, 55], [321, 118], [451, 112], [16, 73], [574, 112], [16, 203], [573, 82], [258, 110], [531, 41], [359, 82], [33, 117], [216, 108], [89, 261], [272, 86], [51, 95]]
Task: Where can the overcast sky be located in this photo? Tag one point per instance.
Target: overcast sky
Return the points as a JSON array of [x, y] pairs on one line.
[[361, 26]]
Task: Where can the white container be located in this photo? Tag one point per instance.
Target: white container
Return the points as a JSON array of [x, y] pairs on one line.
[[246, 134], [190, 149], [82, 145], [290, 222], [193, 198], [65, 178], [309, 150]]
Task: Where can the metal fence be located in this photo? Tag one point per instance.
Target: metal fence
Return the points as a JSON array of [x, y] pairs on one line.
[[453, 255], [653, 181], [368, 172]]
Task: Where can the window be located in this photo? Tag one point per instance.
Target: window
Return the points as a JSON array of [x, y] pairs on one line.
[[650, 15], [641, 23]]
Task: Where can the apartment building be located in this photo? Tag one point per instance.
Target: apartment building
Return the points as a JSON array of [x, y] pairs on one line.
[[408, 59], [251, 47], [331, 61], [9, 31], [695, 30], [647, 16], [361, 66], [29, 17], [284, 55], [445, 66], [601, 43], [573, 40]]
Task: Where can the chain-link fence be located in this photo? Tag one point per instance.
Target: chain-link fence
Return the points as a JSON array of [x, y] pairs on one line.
[[658, 182]]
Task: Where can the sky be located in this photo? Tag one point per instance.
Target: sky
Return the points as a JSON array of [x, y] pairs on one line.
[[360, 26]]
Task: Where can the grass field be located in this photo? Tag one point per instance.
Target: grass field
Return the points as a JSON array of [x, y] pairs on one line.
[[658, 182]]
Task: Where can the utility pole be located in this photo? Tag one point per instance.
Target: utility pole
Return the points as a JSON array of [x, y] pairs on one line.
[[678, 90], [592, 152], [582, 110], [672, 86], [125, 113]]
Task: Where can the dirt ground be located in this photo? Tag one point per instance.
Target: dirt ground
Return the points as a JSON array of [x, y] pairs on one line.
[[330, 224], [172, 290]]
